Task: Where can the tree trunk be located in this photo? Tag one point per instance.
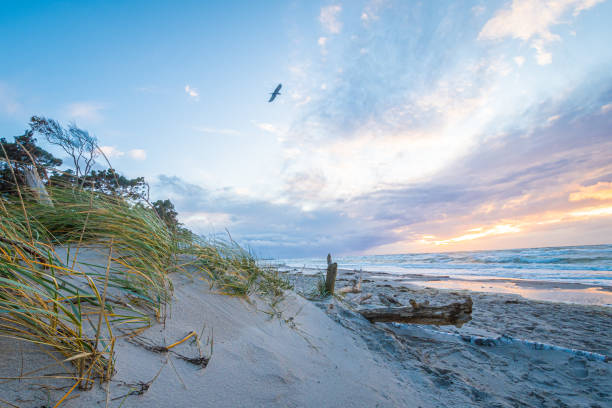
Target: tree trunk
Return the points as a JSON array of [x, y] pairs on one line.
[[453, 314]]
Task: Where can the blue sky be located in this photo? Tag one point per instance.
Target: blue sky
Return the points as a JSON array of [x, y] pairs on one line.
[[402, 126]]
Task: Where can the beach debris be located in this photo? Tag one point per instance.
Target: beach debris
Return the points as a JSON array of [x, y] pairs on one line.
[[275, 93], [455, 314], [332, 271], [150, 346], [364, 298], [354, 288], [198, 361], [388, 300], [190, 335]]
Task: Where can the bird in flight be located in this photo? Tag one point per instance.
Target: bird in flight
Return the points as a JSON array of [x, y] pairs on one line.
[[276, 92]]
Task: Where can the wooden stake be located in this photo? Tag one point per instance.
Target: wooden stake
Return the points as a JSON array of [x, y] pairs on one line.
[[330, 279]]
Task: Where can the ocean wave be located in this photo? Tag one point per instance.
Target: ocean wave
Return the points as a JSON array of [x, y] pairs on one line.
[[575, 264]]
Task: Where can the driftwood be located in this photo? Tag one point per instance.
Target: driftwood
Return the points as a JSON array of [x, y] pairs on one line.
[[330, 279], [354, 288], [418, 313], [388, 300]]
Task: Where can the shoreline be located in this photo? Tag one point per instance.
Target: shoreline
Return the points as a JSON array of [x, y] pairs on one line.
[[537, 290]]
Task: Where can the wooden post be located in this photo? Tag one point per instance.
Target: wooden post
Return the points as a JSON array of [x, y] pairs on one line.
[[330, 279]]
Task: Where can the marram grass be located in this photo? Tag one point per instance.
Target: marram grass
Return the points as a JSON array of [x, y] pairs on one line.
[[144, 248], [60, 300]]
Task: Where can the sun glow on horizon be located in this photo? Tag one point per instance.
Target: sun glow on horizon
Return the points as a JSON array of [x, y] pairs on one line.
[[524, 225]]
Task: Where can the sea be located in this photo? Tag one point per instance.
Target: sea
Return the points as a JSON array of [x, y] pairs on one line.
[[588, 264]]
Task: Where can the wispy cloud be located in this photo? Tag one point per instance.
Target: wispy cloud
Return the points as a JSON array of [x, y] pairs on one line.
[[496, 197], [137, 154], [113, 152], [269, 127], [86, 111], [599, 191], [329, 19], [371, 11], [532, 20], [192, 92], [322, 41], [216, 131], [446, 146]]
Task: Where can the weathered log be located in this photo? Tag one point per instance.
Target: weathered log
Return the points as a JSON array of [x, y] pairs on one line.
[[453, 314], [330, 279]]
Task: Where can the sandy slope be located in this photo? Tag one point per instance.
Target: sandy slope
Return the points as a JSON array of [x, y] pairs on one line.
[[302, 358], [324, 354]]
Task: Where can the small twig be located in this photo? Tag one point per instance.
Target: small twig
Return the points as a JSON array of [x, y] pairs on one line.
[[177, 374]]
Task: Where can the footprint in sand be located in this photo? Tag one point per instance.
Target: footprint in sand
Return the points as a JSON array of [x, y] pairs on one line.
[[578, 367]]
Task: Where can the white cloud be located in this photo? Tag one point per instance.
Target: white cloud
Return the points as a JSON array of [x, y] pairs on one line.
[[111, 152], [192, 92], [88, 111], [268, 127], [137, 154], [322, 41], [520, 60], [229, 132], [585, 5], [606, 108], [206, 219], [531, 20], [371, 11], [329, 19]]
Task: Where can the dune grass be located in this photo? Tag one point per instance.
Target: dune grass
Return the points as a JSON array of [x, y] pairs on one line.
[[233, 269], [72, 305], [144, 247], [41, 301]]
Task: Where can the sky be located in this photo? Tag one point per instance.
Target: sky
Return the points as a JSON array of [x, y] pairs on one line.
[[402, 126]]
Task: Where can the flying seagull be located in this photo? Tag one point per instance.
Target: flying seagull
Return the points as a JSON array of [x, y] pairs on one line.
[[276, 92]]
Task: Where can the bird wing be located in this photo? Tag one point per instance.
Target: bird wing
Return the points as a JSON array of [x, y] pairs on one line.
[[278, 88], [272, 97]]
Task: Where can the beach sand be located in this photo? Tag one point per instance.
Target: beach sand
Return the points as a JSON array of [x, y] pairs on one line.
[[322, 353]]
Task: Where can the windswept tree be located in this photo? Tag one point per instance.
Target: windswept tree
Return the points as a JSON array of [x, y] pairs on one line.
[[77, 143], [23, 154], [110, 182], [165, 210]]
